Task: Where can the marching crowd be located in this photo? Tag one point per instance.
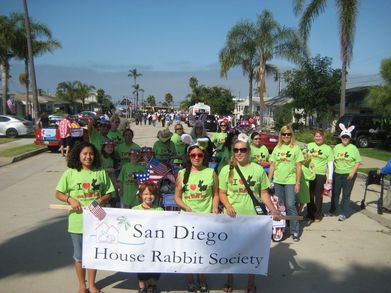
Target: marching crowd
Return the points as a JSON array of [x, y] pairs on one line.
[[207, 175]]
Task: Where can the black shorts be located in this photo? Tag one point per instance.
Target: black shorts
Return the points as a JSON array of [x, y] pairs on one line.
[[67, 141]]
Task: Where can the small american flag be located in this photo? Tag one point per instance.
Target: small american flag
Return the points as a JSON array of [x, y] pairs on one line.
[[158, 167], [96, 210], [142, 177]]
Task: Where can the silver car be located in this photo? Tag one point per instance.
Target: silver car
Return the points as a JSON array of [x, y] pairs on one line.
[[13, 126]]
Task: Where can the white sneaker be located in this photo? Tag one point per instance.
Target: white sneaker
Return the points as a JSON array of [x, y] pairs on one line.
[[341, 218]]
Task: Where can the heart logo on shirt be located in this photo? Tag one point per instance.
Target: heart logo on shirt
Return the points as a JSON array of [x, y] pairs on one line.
[[86, 185], [241, 181], [193, 186]]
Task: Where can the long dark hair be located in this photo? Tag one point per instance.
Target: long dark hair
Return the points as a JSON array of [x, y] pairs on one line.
[[74, 156], [188, 166]]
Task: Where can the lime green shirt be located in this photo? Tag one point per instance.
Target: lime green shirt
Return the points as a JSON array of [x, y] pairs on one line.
[[307, 175], [320, 156], [198, 192], [345, 157], [163, 151], [180, 147], [116, 136], [286, 158], [84, 186], [153, 208], [96, 138], [107, 163], [237, 193], [122, 151], [259, 154], [226, 154], [129, 183], [219, 139]]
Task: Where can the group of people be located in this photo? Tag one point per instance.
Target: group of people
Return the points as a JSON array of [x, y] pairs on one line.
[[222, 171]]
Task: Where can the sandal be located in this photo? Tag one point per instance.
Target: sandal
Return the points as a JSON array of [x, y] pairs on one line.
[[227, 288]]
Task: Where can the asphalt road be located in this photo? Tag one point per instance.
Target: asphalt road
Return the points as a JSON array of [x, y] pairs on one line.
[[36, 252]]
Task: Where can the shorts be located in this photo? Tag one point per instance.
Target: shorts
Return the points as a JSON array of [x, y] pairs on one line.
[[77, 240], [67, 141]]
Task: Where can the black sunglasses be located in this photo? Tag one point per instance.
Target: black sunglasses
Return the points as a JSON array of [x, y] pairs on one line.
[[286, 134], [242, 150], [345, 136]]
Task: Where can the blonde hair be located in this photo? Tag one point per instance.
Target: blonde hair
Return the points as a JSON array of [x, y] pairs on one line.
[[233, 162], [286, 128]]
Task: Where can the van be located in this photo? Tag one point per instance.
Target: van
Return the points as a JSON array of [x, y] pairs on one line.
[[369, 129]]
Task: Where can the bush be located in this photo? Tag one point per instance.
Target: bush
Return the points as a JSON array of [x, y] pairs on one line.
[[307, 136]]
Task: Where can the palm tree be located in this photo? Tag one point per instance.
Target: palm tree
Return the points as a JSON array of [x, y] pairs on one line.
[[7, 41], [273, 40], [41, 41], [151, 101], [347, 14], [240, 51], [136, 91], [67, 91], [133, 73], [84, 91], [196, 91], [168, 98]]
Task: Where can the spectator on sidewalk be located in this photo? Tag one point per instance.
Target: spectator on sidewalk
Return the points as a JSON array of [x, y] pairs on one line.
[[65, 134], [387, 199]]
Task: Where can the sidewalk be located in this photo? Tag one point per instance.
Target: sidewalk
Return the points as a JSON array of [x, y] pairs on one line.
[[20, 142]]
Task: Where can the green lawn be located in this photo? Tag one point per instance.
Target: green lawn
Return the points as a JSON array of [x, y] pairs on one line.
[[16, 151], [6, 139], [375, 153]]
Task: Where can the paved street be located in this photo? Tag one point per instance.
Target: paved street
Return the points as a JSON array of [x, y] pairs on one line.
[[36, 252]]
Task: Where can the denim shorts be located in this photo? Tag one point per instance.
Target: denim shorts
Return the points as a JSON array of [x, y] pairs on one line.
[[77, 240]]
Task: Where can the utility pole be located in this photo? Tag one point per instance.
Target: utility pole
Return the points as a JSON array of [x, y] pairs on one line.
[[31, 62]]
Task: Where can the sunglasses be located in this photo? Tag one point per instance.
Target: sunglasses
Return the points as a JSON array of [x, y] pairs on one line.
[[178, 129], [286, 134], [256, 138], [199, 155], [345, 136], [242, 150], [223, 125]]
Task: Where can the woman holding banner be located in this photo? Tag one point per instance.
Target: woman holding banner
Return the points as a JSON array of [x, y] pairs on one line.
[[196, 190], [233, 192], [83, 183]]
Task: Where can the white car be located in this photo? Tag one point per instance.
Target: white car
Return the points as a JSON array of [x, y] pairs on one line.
[[13, 126]]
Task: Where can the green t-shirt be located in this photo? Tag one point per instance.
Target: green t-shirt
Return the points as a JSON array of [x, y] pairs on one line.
[[320, 156], [96, 138], [237, 193], [307, 175], [116, 136], [286, 158], [345, 157], [163, 151], [180, 147], [226, 154], [107, 163], [84, 186], [129, 183], [122, 151], [259, 154], [153, 208], [219, 139], [198, 194]]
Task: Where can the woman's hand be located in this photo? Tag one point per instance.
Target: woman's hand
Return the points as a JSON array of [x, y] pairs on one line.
[[350, 176], [231, 212], [297, 187], [215, 210], [276, 215], [188, 209], [76, 205]]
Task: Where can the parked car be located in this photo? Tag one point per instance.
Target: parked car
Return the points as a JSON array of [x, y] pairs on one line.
[[269, 140], [210, 122], [13, 126], [369, 129]]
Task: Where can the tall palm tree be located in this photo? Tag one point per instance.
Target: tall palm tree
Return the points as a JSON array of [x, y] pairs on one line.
[[134, 74], [240, 50], [196, 91], [41, 41], [84, 91], [67, 91], [7, 41], [273, 40], [347, 14], [136, 90]]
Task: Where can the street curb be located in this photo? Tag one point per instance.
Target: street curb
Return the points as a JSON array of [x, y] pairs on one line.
[[28, 155]]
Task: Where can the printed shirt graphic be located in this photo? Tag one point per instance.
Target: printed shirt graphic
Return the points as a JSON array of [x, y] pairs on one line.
[[153, 208], [345, 157], [286, 158], [219, 139], [116, 136], [122, 151], [84, 186], [198, 194], [64, 128], [236, 191], [259, 154], [129, 183], [320, 156], [163, 151], [179, 147]]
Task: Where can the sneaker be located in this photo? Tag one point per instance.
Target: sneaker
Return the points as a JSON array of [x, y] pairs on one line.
[[341, 218], [191, 287], [204, 288], [142, 290], [328, 214], [295, 237]]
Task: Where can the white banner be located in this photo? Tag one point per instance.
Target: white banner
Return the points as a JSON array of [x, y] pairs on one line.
[[176, 242]]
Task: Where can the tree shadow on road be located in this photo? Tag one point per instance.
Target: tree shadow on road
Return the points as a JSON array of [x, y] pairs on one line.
[[42, 249]]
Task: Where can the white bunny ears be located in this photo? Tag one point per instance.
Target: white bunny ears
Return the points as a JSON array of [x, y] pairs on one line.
[[243, 137], [345, 131]]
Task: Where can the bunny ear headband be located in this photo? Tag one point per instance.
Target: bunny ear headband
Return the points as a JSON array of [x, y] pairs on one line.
[[345, 131]]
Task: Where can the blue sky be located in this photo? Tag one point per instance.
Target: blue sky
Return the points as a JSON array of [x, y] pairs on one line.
[[170, 41]]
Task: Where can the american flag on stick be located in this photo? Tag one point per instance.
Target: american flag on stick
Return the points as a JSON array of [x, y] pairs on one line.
[[158, 167], [97, 210]]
